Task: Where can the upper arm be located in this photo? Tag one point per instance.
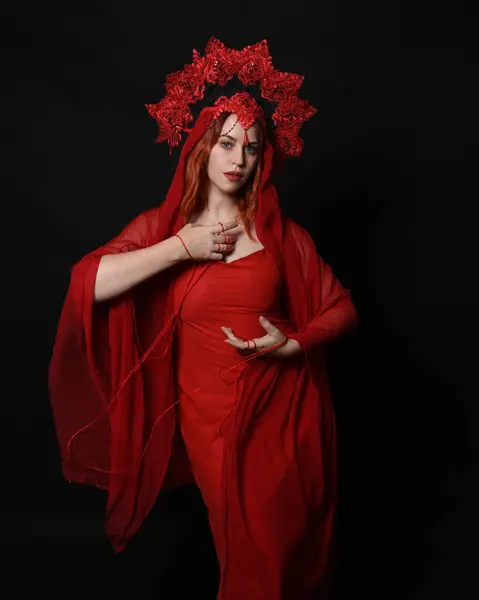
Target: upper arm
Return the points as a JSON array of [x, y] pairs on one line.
[[318, 275]]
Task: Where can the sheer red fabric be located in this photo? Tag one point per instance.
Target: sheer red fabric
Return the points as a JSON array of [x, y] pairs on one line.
[[113, 394]]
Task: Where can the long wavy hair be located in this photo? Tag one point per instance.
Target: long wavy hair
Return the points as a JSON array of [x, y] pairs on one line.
[[195, 198]]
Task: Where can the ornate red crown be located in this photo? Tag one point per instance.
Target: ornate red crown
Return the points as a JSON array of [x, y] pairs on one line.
[[252, 65]]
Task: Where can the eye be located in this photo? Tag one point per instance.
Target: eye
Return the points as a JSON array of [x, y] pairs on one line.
[[226, 144], [251, 149]]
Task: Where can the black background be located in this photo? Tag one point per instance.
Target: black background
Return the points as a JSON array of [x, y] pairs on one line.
[[382, 186]]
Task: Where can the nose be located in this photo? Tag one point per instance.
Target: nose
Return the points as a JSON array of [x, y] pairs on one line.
[[238, 157]]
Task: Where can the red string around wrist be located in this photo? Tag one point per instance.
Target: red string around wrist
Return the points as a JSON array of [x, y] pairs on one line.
[[184, 246]]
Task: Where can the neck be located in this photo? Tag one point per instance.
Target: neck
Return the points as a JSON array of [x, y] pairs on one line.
[[220, 206]]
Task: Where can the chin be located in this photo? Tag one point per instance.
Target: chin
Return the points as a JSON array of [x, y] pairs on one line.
[[231, 187]]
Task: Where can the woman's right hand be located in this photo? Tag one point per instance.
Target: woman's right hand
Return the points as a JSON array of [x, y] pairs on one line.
[[209, 242]]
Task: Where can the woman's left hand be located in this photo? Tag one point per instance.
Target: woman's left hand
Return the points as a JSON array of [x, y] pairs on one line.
[[272, 338]]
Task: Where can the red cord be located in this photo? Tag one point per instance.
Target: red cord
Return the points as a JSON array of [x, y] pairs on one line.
[[184, 246]]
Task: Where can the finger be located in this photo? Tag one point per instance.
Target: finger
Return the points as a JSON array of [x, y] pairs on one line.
[[253, 344], [230, 225], [238, 345], [267, 326], [221, 227], [233, 339], [224, 248], [229, 333], [216, 256], [228, 239]]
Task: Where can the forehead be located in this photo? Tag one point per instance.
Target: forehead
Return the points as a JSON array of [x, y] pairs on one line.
[[233, 128]]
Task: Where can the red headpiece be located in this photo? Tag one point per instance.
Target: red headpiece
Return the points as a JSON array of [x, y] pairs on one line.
[[252, 65]]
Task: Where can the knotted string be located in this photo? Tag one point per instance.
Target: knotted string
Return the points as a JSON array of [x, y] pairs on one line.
[[240, 375], [120, 387], [171, 320]]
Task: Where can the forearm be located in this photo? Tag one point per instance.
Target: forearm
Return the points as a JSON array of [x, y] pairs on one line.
[[328, 326], [118, 273]]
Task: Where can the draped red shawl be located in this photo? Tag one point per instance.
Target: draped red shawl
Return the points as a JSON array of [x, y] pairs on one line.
[[108, 391]]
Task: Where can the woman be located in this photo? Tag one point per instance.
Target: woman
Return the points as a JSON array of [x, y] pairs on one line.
[[193, 346]]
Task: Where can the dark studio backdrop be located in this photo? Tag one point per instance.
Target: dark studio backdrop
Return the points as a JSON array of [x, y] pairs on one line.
[[380, 186]]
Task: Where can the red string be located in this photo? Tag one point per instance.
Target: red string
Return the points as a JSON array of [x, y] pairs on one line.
[[171, 320], [184, 246], [126, 379], [244, 361]]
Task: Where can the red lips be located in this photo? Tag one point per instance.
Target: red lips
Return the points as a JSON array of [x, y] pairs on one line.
[[233, 175]]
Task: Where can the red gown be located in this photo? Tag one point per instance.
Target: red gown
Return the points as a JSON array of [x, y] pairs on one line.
[[264, 450], [233, 295]]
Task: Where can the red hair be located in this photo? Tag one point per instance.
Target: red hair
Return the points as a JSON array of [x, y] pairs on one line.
[[196, 178]]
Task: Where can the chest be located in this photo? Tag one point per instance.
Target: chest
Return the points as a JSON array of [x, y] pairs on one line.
[[248, 284], [243, 247]]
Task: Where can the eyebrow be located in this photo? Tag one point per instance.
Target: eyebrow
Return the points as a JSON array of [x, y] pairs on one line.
[[252, 143]]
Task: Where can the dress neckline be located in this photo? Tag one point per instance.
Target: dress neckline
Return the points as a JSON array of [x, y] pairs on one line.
[[231, 262]]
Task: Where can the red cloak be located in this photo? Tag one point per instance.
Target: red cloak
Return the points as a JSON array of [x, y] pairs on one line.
[[112, 390]]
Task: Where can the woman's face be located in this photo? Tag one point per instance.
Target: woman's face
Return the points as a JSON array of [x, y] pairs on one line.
[[231, 161]]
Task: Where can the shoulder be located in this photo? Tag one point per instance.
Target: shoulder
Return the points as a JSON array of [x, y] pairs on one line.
[[300, 235], [146, 224], [149, 217], [140, 232]]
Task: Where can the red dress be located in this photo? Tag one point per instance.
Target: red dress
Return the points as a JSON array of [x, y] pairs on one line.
[[113, 387], [232, 295]]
